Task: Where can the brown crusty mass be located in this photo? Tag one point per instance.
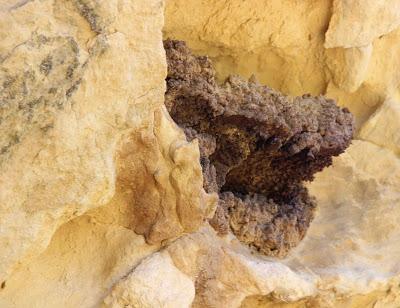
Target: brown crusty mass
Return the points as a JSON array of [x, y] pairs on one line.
[[257, 147]]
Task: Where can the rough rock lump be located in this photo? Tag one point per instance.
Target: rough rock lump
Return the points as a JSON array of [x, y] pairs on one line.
[[257, 147]]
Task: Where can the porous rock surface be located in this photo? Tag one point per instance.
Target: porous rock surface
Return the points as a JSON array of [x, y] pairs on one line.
[[257, 147], [72, 194]]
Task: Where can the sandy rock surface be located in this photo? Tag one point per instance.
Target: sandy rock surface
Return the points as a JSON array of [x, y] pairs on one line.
[[101, 198]]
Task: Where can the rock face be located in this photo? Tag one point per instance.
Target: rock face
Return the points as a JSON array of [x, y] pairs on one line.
[[257, 147], [83, 124], [101, 195]]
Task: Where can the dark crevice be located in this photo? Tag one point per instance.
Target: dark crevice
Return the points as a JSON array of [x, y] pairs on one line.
[[257, 148]]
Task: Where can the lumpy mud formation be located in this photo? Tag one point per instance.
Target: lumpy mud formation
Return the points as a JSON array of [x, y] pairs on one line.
[[257, 148]]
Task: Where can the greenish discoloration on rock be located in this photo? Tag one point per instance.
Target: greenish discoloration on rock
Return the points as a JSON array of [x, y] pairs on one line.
[[73, 88], [46, 65], [33, 89], [87, 9]]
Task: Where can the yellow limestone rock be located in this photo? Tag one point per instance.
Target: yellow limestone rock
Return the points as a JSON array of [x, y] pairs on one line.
[[156, 282], [349, 66], [383, 127], [352, 245], [66, 99], [84, 259], [356, 23], [281, 42], [82, 85], [90, 254], [222, 272], [161, 181]]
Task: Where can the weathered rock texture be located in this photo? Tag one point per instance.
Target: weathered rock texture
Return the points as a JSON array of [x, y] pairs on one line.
[[83, 125], [89, 153], [257, 147]]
